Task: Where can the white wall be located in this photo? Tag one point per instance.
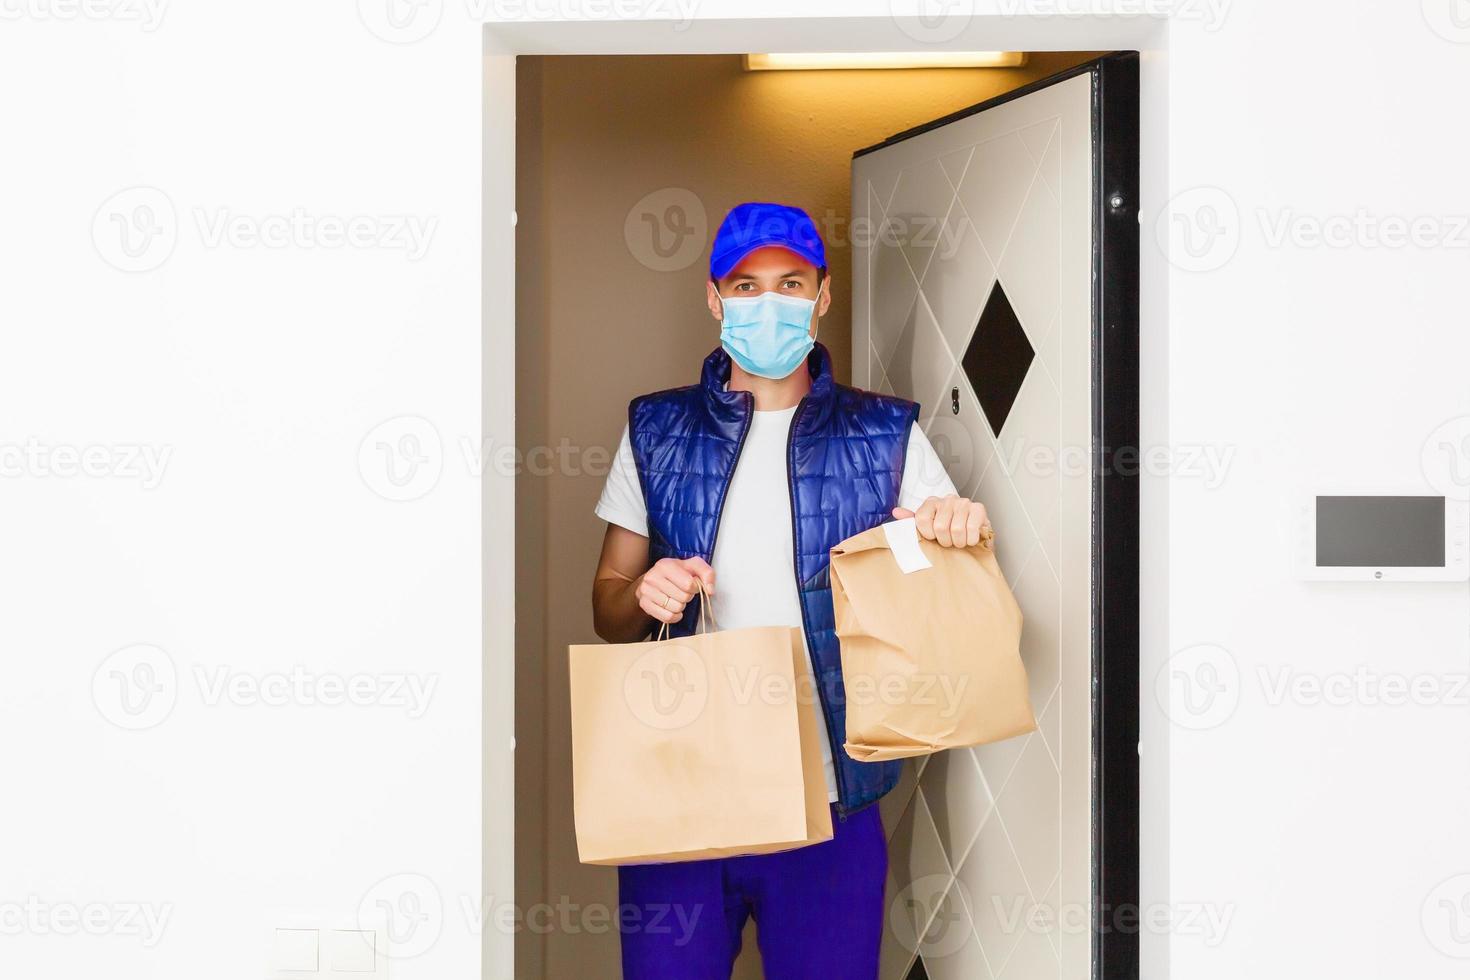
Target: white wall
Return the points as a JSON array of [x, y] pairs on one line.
[[265, 546], [1328, 827]]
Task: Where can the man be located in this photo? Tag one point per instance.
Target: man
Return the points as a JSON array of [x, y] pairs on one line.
[[742, 483]]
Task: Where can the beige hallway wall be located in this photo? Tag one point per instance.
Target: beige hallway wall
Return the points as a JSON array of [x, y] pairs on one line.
[[618, 157]]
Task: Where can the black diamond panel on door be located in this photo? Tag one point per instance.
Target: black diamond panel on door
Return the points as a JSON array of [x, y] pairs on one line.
[[997, 358]]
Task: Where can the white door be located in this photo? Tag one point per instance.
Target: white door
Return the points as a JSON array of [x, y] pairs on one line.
[[976, 295]]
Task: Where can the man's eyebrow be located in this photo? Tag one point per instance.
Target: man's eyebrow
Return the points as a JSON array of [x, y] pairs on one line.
[[785, 275]]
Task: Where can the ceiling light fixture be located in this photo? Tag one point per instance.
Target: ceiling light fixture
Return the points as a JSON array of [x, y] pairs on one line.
[[885, 59]]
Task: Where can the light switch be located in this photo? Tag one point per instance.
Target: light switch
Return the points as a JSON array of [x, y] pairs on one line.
[[296, 949], [350, 950]]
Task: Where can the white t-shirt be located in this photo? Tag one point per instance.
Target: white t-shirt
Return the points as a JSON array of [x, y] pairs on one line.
[[755, 577]]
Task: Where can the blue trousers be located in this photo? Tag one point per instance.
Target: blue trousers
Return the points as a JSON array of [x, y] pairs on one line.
[[818, 910]]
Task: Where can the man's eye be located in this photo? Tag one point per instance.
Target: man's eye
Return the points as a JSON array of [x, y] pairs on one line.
[[792, 284]]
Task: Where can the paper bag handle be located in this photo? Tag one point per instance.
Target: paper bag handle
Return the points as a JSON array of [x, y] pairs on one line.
[[705, 611]]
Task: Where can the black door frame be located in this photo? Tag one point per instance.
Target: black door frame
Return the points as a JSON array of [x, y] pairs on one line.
[[1116, 458]]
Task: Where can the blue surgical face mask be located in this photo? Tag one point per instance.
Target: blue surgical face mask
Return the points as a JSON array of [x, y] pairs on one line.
[[768, 335]]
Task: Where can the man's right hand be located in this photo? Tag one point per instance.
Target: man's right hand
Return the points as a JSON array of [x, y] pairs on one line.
[[627, 593], [670, 585]]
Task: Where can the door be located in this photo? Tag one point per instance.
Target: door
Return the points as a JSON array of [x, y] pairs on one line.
[[998, 288]]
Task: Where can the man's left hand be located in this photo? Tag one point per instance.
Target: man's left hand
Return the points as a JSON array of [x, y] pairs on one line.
[[953, 521]]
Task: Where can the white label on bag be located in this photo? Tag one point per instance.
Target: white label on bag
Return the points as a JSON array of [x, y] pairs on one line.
[[903, 541]]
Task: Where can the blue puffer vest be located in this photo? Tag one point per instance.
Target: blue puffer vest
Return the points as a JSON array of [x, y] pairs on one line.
[[845, 465]]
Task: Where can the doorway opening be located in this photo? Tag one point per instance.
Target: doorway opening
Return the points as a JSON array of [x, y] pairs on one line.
[[624, 166]]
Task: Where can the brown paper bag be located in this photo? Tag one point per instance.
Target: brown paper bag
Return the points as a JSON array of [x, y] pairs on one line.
[[931, 658], [695, 747]]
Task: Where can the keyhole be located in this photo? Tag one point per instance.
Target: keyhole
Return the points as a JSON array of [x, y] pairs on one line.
[[954, 400]]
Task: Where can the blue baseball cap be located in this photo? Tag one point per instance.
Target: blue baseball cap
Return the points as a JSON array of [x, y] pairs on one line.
[[754, 225]]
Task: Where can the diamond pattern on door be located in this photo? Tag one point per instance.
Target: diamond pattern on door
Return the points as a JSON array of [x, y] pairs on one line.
[[1027, 448], [959, 277], [919, 879], [960, 440], [920, 203], [1031, 266], [959, 801], [998, 358], [994, 188], [894, 285], [921, 363], [954, 165], [1037, 137], [1035, 587], [980, 308]]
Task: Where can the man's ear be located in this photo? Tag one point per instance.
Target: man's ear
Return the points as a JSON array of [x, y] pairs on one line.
[[712, 300], [826, 297]]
